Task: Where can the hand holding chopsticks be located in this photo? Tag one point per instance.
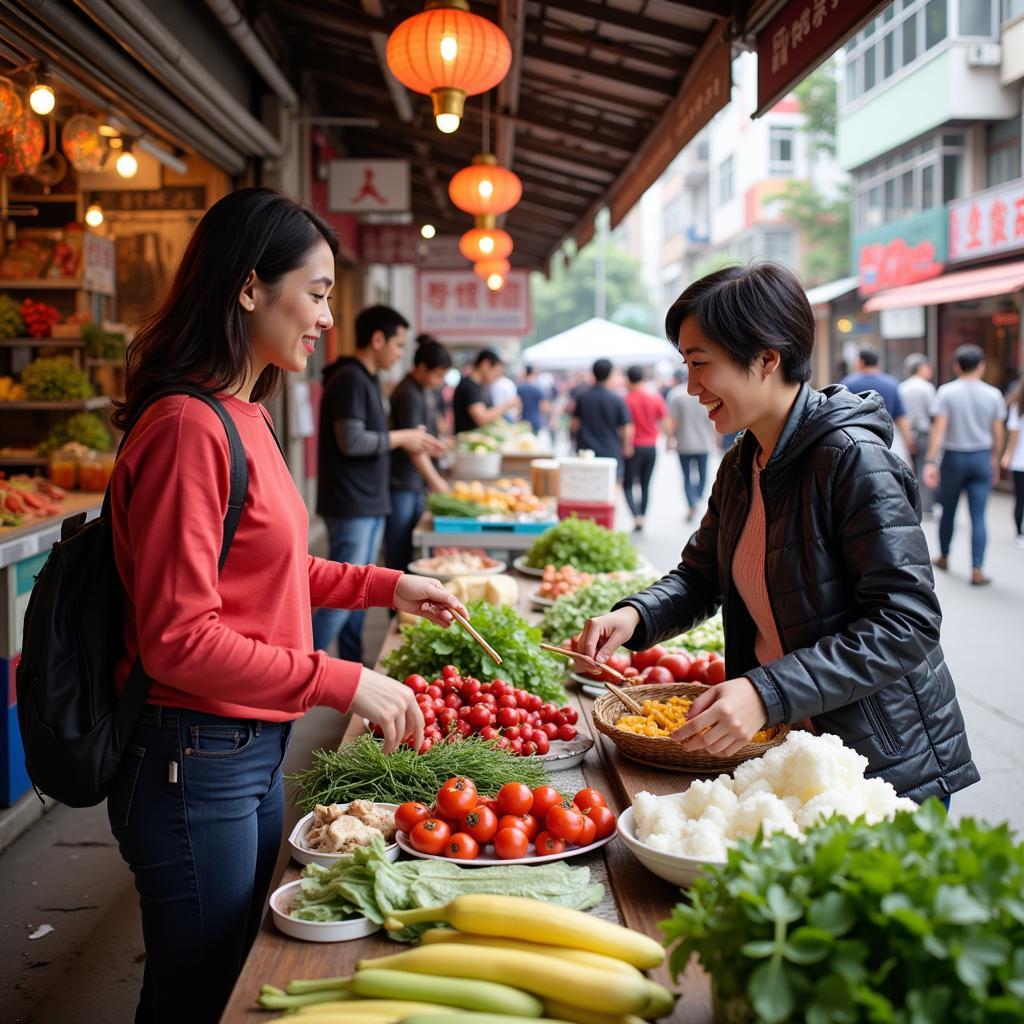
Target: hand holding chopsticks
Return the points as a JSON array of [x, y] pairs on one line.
[[594, 666], [464, 622]]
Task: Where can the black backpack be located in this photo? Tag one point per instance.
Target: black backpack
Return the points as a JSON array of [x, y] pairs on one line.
[[74, 727]]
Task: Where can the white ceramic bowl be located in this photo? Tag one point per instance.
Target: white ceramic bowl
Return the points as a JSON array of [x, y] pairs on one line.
[[315, 931], [674, 868], [304, 855]]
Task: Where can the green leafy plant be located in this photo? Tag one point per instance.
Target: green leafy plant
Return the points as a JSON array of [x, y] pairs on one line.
[[83, 428], [910, 921], [12, 323], [584, 545], [569, 614], [55, 379], [427, 648], [101, 344]]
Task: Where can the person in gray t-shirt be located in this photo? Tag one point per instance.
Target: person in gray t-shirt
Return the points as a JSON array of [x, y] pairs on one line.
[[918, 394], [694, 438], [968, 428]]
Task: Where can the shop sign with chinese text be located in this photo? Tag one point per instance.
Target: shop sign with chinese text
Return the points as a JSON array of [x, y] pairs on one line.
[[902, 253], [368, 186], [987, 224], [456, 303], [390, 244], [799, 38], [99, 258]]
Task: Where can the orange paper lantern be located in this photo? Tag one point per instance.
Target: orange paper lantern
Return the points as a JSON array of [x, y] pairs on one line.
[[21, 145], [448, 53], [482, 243], [485, 189], [485, 268], [11, 108]]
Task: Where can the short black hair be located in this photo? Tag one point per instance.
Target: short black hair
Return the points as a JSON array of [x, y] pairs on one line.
[[913, 363], [968, 358], [378, 318], [635, 374], [488, 355], [748, 309], [868, 355], [528, 369], [423, 338], [602, 370], [433, 355]]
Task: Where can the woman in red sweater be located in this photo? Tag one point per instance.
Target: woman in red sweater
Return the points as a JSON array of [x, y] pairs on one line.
[[197, 808]]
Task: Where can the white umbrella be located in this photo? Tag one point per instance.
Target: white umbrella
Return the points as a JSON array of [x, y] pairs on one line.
[[580, 346]]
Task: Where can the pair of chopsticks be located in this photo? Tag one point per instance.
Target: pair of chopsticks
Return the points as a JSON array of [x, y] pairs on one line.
[[576, 656], [468, 627]]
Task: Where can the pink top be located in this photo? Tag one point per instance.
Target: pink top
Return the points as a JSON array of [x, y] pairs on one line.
[[646, 408]]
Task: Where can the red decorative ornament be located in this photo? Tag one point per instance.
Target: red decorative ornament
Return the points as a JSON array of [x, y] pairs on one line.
[[21, 145], [487, 269], [485, 243], [11, 107], [485, 189], [82, 143]]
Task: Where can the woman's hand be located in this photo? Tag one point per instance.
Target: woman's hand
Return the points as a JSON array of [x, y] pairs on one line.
[[730, 712], [392, 706], [424, 596], [931, 475], [603, 636]]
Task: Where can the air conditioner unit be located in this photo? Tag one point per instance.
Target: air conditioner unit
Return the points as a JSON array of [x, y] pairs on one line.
[[984, 55]]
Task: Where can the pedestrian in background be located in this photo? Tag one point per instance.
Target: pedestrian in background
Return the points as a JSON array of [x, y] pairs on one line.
[[918, 394], [694, 438], [868, 376], [437, 408], [600, 419], [1013, 455], [534, 404], [650, 416], [472, 403], [967, 428]]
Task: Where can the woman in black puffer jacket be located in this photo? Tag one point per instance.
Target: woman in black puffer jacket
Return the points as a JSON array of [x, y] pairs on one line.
[[812, 547]]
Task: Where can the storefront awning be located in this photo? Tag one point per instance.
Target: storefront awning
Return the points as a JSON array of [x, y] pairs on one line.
[[826, 293], [959, 287]]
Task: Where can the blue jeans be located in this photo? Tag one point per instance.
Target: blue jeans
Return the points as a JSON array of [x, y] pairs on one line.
[[971, 472], [693, 489], [406, 509], [197, 810], [353, 539]]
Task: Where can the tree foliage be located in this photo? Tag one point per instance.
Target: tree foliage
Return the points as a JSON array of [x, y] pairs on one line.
[[826, 228], [817, 96]]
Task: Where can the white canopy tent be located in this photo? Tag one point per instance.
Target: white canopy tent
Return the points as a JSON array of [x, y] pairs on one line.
[[579, 347]]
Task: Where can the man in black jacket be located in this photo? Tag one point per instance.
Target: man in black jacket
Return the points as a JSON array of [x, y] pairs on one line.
[[354, 446]]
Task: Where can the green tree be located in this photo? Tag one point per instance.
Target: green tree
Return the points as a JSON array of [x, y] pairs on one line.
[[826, 228], [817, 96], [567, 297]]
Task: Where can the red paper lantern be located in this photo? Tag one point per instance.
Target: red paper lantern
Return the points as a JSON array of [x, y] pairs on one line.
[[485, 268], [481, 243], [448, 53], [11, 107], [21, 145], [485, 189], [82, 143]]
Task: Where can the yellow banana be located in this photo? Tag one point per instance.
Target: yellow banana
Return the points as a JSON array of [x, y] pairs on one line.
[[465, 993], [338, 1017], [552, 1008], [514, 917], [394, 1009], [661, 1002]]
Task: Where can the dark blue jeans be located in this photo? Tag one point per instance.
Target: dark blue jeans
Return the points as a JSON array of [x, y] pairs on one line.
[[197, 810], [692, 463], [353, 539], [637, 472], [406, 509], [971, 472]]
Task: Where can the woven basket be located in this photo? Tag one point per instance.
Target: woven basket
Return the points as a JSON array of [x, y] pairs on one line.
[[661, 751]]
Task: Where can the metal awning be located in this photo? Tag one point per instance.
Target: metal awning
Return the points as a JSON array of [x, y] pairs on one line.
[[961, 286]]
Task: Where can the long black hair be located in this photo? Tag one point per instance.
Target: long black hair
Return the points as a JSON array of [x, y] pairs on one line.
[[200, 333]]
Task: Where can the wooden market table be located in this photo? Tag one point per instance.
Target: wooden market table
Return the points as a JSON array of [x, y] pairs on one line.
[[638, 899]]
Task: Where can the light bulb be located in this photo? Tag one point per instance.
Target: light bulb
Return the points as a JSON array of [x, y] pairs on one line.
[[486, 188], [487, 245], [41, 99], [428, 231], [127, 165], [447, 123], [449, 49], [94, 215], [495, 281], [117, 143]]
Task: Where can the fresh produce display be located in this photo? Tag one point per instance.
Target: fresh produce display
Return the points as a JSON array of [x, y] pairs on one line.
[[360, 770], [55, 379], [664, 664], [442, 504], [338, 829], [500, 589], [794, 785], [477, 442], [708, 636], [662, 718], [557, 583], [569, 614], [454, 706], [585, 545], [506, 497], [25, 497], [12, 323], [517, 822], [11, 390], [101, 344], [916, 919], [426, 649], [39, 318], [456, 561], [84, 428]]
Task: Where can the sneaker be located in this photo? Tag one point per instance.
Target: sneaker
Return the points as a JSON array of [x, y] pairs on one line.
[[1020, 540]]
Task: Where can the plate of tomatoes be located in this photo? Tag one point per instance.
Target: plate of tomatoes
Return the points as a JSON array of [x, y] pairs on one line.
[[517, 826], [658, 665]]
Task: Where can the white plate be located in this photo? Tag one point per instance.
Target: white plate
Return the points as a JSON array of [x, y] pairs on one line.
[[416, 567], [315, 931], [492, 861], [566, 754], [304, 855], [541, 602], [519, 564], [595, 690], [674, 868]]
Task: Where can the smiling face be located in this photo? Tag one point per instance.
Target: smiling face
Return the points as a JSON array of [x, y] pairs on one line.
[[286, 321]]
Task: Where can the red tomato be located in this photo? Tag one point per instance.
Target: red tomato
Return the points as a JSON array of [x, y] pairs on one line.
[[528, 823], [453, 700], [570, 715], [659, 674], [511, 843], [433, 690], [551, 730], [534, 703], [548, 712], [631, 673], [645, 659], [526, 732], [430, 836], [463, 713], [604, 821], [465, 729], [547, 844], [515, 798], [409, 815], [488, 732], [541, 742], [479, 716], [507, 717], [715, 672], [438, 704], [516, 746], [425, 745], [457, 797], [511, 733], [587, 798], [470, 687], [567, 732], [620, 662], [499, 687], [462, 847], [588, 834], [513, 821], [522, 698], [544, 798], [529, 748], [449, 672], [565, 822], [416, 683], [699, 670], [488, 802], [678, 665], [429, 715], [481, 823]]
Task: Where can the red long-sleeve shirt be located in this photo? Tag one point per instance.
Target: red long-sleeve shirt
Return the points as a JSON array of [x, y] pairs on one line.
[[239, 644]]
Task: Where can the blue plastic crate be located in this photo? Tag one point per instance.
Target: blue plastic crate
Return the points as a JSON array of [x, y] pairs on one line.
[[462, 524]]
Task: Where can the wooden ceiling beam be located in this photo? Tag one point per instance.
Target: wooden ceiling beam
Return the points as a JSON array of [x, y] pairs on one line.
[[604, 69], [640, 23], [591, 41], [512, 21], [574, 89]]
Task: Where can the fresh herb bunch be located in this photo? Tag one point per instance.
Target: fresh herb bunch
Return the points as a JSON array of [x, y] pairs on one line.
[[12, 323], [84, 428], [911, 920], [446, 505], [55, 379], [101, 344], [569, 614], [585, 546], [360, 770], [427, 648]]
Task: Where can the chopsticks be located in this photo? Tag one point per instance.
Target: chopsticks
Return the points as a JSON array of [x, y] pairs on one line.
[[576, 656], [468, 627]]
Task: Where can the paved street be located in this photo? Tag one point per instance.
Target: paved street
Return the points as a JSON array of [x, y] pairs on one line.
[[66, 871]]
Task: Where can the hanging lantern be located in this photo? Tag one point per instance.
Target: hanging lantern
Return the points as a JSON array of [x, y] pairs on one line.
[[448, 53], [83, 144], [21, 145], [485, 243], [485, 268], [11, 107], [485, 188]]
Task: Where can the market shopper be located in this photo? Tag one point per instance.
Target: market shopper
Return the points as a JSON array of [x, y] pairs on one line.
[[812, 547], [868, 376], [197, 806], [918, 394], [693, 437], [601, 422], [650, 417], [472, 402], [1013, 455], [354, 460]]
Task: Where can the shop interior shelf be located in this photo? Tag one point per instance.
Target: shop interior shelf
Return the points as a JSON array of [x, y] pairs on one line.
[[27, 460], [99, 402], [42, 343], [32, 284]]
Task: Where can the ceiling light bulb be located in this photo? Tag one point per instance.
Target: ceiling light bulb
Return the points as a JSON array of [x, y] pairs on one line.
[[449, 49], [487, 245], [486, 188], [41, 99], [115, 143], [127, 165], [94, 215], [495, 281], [428, 231], [447, 123]]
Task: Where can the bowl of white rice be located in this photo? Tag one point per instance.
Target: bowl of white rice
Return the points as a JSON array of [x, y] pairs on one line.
[[673, 867]]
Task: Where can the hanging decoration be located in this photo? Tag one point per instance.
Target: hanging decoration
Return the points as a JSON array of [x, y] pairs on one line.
[[448, 53], [485, 242], [11, 107], [493, 272], [485, 188], [21, 145], [83, 144]]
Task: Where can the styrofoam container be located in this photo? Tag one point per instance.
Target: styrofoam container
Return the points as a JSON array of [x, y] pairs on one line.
[[477, 465], [587, 479], [674, 868], [315, 931], [304, 855]]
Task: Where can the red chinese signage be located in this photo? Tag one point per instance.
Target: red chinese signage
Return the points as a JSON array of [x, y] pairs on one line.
[[891, 264], [456, 303], [390, 243], [987, 225], [799, 38]]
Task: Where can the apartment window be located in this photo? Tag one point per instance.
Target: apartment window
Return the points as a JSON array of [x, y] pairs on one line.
[[952, 176], [1012, 9], [778, 245], [702, 148], [888, 53], [781, 141], [726, 185], [1002, 151], [674, 217], [935, 23], [975, 18]]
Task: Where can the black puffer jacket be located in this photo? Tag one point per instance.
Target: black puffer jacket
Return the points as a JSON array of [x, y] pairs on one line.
[[851, 590]]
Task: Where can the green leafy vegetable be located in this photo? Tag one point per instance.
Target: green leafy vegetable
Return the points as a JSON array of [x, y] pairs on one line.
[[55, 379], [360, 770], [708, 636], [569, 614], [366, 883], [101, 344], [909, 921], [427, 648], [83, 428], [446, 505], [584, 545]]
